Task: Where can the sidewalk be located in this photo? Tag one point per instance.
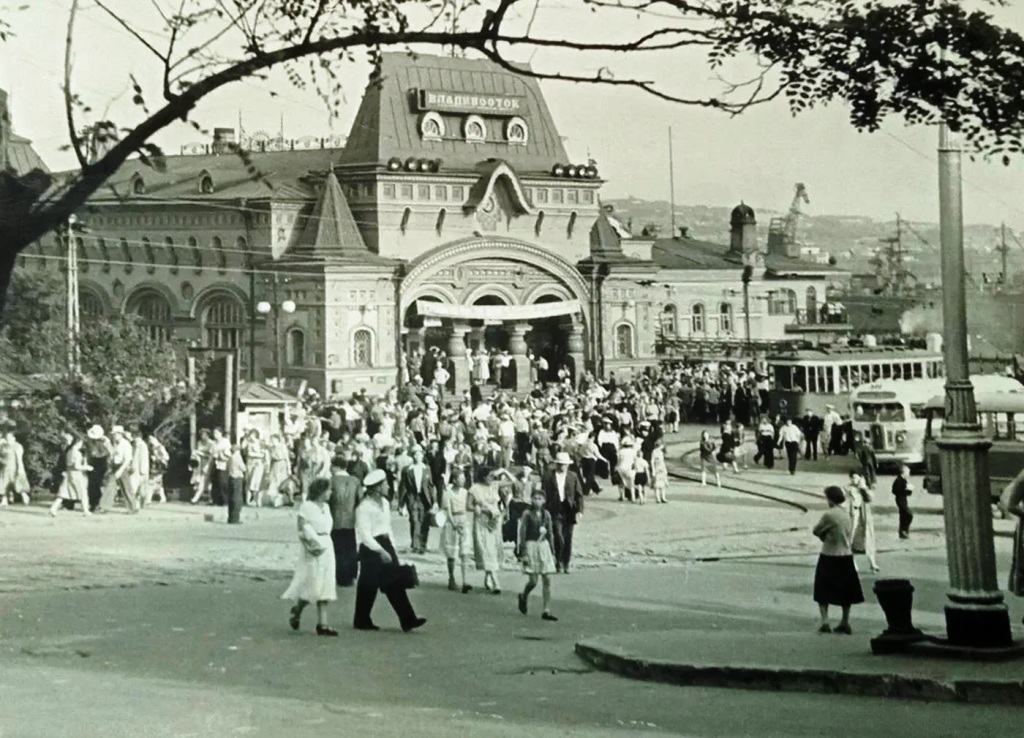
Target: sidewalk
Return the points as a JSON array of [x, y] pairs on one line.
[[801, 662]]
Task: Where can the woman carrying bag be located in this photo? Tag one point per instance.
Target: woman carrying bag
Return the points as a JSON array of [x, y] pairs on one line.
[[379, 569], [314, 578]]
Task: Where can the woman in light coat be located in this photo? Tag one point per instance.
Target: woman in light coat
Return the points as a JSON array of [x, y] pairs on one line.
[[862, 518], [74, 486]]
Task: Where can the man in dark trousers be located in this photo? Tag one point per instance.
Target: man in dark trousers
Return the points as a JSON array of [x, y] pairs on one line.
[[901, 490], [812, 426], [789, 438], [867, 460], [416, 494], [342, 502], [564, 500]]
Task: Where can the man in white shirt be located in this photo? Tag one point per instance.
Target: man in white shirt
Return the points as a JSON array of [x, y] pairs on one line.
[[377, 558], [564, 500], [790, 437], [119, 473], [416, 494], [219, 473]]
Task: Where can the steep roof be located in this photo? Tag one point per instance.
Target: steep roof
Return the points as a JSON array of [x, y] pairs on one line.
[[331, 231], [21, 157], [251, 393], [284, 177], [387, 124]]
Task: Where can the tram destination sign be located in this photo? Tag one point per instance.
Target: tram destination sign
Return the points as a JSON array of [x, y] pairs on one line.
[[443, 101]]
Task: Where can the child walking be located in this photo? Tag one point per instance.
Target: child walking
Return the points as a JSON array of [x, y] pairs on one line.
[[642, 478], [535, 549]]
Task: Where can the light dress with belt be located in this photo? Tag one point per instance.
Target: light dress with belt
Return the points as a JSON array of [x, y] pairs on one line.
[[485, 503], [314, 577]]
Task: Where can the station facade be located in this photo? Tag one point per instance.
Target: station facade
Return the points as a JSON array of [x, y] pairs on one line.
[[452, 216]]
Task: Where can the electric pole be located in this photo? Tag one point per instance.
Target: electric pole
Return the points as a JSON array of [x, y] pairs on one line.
[[73, 318]]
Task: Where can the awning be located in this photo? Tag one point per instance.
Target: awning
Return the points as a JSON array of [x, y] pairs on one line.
[[429, 309]]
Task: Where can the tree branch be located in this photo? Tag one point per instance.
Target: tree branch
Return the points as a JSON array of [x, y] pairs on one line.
[[316, 19], [135, 34], [69, 97]]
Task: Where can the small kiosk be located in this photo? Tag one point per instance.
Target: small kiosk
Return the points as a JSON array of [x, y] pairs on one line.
[[261, 406]]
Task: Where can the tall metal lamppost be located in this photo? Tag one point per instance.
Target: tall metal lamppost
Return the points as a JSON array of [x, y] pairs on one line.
[[748, 275], [976, 616], [265, 308]]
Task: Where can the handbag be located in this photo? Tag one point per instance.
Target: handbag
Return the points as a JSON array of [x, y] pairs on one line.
[[438, 518], [399, 576]]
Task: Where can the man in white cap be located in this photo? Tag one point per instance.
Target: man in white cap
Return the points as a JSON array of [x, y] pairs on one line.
[[119, 479], [564, 500], [377, 557]]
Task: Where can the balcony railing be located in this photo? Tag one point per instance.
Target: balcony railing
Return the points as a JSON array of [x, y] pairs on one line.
[[823, 319]]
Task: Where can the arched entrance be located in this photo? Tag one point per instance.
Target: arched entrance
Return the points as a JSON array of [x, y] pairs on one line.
[[499, 295]]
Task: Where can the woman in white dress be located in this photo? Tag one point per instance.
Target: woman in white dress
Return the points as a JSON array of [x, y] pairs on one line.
[[483, 500], [314, 578]]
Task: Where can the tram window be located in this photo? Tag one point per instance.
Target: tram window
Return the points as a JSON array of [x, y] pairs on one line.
[[783, 377], [800, 379], [828, 385], [1017, 424], [918, 370], [886, 371], [897, 371], [844, 379]]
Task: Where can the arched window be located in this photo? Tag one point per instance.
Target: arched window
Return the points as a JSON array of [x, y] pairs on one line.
[[572, 225], [172, 255], [138, 186], [782, 302], [295, 347], [242, 247], [90, 305], [432, 126], [540, 223], [197, 254], [406, 215], [624, 341], [83, 257], [441, 214], [222, 258], [224, 322], [474, 129], [670, 321], [126, 255], [362, 348], [147, 249], [516, 131], [698, 318], [725, 317], [154, 312], [101, 247], [812, 305], [206, 185]]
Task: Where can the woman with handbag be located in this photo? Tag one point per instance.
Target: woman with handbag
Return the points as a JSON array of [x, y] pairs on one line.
[[314, 576], [379, 569]]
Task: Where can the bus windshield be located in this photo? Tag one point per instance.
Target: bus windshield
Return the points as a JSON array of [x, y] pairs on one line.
[[883, 412]]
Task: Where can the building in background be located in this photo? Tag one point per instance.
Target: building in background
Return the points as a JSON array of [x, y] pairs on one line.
[[452, 216]]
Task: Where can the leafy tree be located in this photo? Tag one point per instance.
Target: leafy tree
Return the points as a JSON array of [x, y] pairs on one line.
[[126, 378], [922, 60]]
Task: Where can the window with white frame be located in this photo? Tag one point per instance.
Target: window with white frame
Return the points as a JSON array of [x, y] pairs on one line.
[[295, 347], [725, 317], [670, 321], [362, 348], [224, 322], [624, 341], [698, 318]]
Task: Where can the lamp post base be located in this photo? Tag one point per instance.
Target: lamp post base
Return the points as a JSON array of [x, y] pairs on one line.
[[978, 625]]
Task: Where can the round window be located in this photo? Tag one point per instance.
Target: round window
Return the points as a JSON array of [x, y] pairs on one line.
[[516, 131]]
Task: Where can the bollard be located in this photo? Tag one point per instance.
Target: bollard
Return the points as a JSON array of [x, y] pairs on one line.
[[896, 598]]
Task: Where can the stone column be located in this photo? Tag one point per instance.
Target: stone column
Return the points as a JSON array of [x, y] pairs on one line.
[[576, 348], [517, 348], [976, 617], [457, 352]]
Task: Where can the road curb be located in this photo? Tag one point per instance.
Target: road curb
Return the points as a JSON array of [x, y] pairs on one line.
[[818, 681]]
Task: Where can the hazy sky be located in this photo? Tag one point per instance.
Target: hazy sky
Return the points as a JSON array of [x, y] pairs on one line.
[[756, 157]]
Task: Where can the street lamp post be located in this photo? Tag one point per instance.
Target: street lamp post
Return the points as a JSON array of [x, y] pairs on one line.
[[976, 617], [748, 275], [265, 308]]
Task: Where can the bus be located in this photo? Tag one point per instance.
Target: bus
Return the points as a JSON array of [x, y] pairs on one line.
[[810, 379], [1001, 415], [890, 415]]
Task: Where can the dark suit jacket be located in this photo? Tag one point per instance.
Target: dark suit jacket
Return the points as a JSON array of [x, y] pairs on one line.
[[573, 496], [407, 491]]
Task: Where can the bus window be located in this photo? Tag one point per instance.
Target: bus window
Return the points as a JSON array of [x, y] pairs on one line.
[[918, 411], [885, 412]]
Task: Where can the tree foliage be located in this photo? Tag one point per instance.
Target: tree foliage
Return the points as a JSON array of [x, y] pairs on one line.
[[126, 378], [921, 60]]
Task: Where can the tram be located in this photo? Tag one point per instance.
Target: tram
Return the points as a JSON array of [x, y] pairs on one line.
[[811, 378]]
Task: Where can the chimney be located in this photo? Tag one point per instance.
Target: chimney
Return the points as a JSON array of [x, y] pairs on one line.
[[223, 140]]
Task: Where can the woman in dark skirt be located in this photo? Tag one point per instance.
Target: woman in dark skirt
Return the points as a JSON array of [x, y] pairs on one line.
[[835, 578]]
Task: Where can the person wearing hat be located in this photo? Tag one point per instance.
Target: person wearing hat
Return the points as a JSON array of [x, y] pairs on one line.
[[342, 502], [564, 500], [608, 444], [97, 453], [119, 481], [73, 485], [376, 554]]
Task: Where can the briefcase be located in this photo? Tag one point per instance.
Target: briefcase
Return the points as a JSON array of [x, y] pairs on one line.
[[400, 576]]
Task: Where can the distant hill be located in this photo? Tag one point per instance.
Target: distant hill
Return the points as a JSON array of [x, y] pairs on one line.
[[851, 239]]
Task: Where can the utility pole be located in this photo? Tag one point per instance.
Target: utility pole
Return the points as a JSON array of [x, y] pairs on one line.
[[976, 616], [671, 187], [1003, 249], [73, 317]]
